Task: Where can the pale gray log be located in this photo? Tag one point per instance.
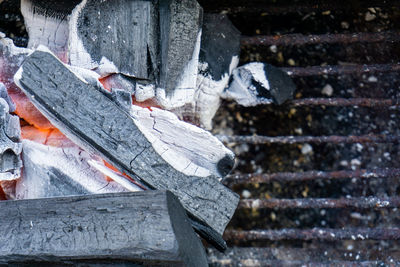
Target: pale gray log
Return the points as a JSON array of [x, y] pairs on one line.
[[56, 172], [180, 23], [145, 227], [10, 143], [92, 120], [123, 32]]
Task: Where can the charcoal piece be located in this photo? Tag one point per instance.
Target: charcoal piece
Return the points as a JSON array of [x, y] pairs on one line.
[[47, 24], [53, 171], [93, 121], [11, 58], [259, 83], [147, 228], [219, 55], [117, 36], [10, 144], [180, 24], [122, 98]]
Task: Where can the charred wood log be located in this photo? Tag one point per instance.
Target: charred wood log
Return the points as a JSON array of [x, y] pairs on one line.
[[148, 228], [116, 37], [55, 172], [10, 139], [219, 55], [94, 121]]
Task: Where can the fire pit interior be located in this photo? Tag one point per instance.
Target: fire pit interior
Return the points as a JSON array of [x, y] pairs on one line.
[[319, 175]]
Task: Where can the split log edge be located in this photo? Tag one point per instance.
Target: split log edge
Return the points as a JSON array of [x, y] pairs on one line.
[[148, 228]]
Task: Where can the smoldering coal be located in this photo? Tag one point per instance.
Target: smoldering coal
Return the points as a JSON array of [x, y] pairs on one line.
[[91, 119]]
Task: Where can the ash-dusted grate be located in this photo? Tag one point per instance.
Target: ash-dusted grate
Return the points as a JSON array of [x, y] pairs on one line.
[[319, 175]]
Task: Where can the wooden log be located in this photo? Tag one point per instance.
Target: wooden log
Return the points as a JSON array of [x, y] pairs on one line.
[[92, 120], [118, 36], [219, 55], [10, 139], [145, 227], [180, 25], [57, 172], [259, 83]]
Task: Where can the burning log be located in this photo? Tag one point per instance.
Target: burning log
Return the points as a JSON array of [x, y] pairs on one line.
[[10, 143], [145, 228], [88, 115], [52, 172], [219, 55]]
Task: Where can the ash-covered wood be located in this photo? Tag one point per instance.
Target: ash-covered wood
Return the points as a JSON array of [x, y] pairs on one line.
[[47, 23], [10, 139], [219, 55], [145, 228], [116, 36], [53, 172], [91, 119], [259, 83], [180, 25]]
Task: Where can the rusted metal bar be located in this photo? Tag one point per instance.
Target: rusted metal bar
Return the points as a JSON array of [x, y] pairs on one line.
[[321, 203], [340, 69], [293, 256], [301, 39], [346, 102], [333, 139], [310, 175], [274, 8], [314, 234]]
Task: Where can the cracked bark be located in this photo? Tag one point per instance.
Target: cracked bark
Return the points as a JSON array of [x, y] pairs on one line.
[[144, 228]]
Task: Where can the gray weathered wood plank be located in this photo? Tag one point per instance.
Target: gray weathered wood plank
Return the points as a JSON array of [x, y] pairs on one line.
[[144, 227]]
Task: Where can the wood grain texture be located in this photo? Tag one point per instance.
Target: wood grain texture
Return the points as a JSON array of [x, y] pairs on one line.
[[146, 227], [180, 22], [92, 120], [10, 139], [123, 32]]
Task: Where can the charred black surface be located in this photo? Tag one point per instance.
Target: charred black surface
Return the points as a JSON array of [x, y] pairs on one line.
[[281, 85], [180, 23], [102, 27], [85, 114], [220, 42], [148, 228]]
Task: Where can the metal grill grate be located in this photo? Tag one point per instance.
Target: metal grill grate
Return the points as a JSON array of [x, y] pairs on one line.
[[363, 225]]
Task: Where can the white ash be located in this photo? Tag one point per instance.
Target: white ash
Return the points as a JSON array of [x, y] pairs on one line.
[[208, 93], [184, 92], [78, 56], [187, 148], [46, 30], [242, 89], [306, 149], [144, 92], [123, 181], [52, 171]]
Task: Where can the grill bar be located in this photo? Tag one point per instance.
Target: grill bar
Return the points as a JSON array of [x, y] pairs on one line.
[[321, 203], [314, 234], [340, 69], [310, 175], [333, 139], [346, 102], [274, 8], [301, 39]]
